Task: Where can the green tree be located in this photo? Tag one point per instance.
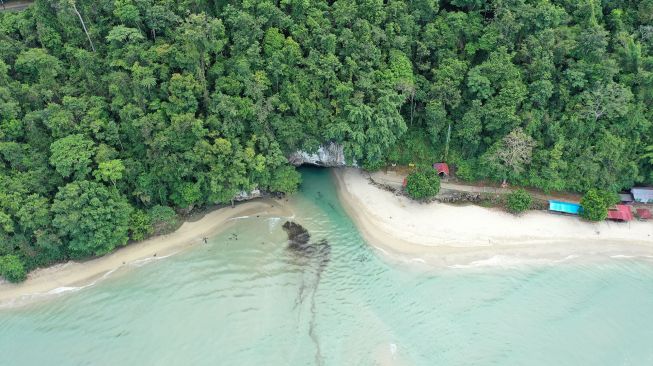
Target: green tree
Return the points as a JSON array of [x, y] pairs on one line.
[[37, 66], [423, 183], [12, 268], [285, 179], [140, 225], [519, 201], [163, 219], [93, 218], [595, 204], [110, 171], [71, 156]]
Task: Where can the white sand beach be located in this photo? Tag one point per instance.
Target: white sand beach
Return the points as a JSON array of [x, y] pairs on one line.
[[72, 275], [448, 235]]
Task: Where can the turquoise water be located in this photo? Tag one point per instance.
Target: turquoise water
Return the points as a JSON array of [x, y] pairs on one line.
[[244, 299]]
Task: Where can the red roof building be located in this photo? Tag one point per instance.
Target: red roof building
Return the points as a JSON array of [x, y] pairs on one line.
[[620, 213], [644, 214], [442, 168]]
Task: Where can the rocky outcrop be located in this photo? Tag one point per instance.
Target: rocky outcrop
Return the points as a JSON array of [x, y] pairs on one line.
[[298, 243], [245, 196], [329, 155], [298, 237]]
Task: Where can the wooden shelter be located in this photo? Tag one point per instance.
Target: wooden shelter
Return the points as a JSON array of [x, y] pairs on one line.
[[442, 169], [620, 213], [644, 214]]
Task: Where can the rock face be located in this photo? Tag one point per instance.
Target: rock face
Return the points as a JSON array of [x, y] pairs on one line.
[[329, 155], [246, 196]]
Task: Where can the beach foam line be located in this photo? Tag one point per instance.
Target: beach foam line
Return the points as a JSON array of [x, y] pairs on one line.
[[27, 298], [568, 258], [381, 250], [512, 261], [64, 289], [141, 262], [239, 218]]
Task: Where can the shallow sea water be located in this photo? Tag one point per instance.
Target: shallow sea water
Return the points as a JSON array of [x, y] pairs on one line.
[[244, 299]]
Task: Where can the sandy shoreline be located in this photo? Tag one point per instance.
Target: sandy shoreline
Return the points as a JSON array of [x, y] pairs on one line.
[[446, 235], [64, 277], [433, 234]]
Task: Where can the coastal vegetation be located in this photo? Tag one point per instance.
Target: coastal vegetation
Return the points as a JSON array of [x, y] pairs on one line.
[[596, 203], [423, 184], [11, 268], [114, 115], [519, 201]]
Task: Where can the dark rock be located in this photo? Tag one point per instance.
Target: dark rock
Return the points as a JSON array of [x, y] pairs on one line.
[[298, 237]]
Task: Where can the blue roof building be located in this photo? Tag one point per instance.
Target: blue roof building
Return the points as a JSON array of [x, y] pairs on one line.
[[565, 207]]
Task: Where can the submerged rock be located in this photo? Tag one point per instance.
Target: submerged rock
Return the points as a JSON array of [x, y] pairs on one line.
[[298, 237], [314, 258], [322, 250], [298, 242]]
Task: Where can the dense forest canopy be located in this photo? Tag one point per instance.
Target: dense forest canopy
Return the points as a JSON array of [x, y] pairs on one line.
[[114, 113]]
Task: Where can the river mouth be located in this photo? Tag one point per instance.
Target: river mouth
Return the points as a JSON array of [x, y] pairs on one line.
[[244, 298]]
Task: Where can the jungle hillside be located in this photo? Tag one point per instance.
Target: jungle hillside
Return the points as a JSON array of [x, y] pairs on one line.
[[116, 116]]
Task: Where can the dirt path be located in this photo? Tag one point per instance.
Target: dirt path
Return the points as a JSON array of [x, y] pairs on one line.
[[395, 180], [14, 5]]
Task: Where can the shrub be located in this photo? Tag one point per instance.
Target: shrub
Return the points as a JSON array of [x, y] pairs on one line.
[[422, 184], [413, 147], [373, 165], [393, 156], [12, 268], [465, 171], [595, 204], [163, 218], [519, 201], [140, 225]]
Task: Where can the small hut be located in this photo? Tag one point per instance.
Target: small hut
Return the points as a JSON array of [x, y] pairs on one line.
[[442, 169], [642, 194], [620, 213], [626, 197], [644, 214]]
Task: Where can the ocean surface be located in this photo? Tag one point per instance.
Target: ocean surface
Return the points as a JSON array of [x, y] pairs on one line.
[[245, 299]]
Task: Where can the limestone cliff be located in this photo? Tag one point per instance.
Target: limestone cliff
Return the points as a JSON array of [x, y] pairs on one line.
[[329, 155]]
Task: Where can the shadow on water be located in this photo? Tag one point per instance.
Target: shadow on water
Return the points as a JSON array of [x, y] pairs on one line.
[[313, 257]]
